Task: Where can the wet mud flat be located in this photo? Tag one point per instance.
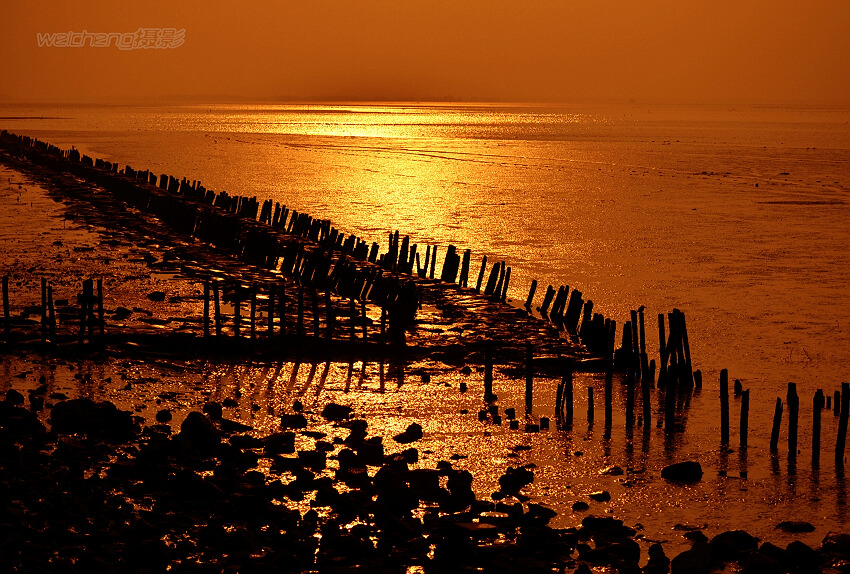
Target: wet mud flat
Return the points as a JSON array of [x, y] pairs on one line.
[[417, 525]]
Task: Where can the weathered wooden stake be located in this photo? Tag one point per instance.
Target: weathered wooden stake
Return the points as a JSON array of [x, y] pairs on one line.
[[724, 407], [745, 417], [217, 309], [206, 309], [529, 377], [841, 438], [488, 371], [777, 421], [481, 274], [793, 418], [530, 297], [433, 261], [6, 319], [817, 405]]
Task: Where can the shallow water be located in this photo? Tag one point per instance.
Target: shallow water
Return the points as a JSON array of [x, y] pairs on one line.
[[738, 217]]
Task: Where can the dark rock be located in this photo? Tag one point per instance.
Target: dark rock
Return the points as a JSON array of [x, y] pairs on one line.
[[696, 536], [687, 471], [580, 505], [230, 403], [13, 397], [84, 416], [758, 563], [296, 421], [157, 296], [731, 544], [514, 479], [795, 526], [212, 410], [697, 560], [600, 496], [198, 433], [335, 412], [279, 443], [611, 471], [411, 434], [658, 562], [163, 416], [803, 557]]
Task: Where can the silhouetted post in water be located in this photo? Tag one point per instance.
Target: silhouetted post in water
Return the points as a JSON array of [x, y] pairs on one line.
[[529, 377], [793, 418], [836, 403], [270, 311], [253, 311], [662, 350], [530, 298], [363, 318], [206, 309], [300, 313], [686, 347], [43, 310], [645, 398], [51, 318], [504, 296], [745, 416], [330, 319], [315, 297], [488, 371], [589, 405], [841, 438], [644, 359], [424, 271], [817, 405], [670, 395], [352, 314], [236, 309], [433, 261], [698, 379], [635, 350], [630, 398], [100, 321], [737, 388], [217, 309], [777, 421], [481, 274], [724, 407], [464, 269], [6, 320], [608, 395]]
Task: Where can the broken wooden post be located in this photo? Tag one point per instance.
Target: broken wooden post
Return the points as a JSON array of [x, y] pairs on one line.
[[481, 274], [817, 405], [777, 421], [530, 297], [433, 262], [724, 407], [529, 377], [841, 438], [206, 309], [793, 417], [217, 309]]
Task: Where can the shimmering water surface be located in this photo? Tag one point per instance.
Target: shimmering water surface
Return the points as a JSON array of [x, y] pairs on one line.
[[738, 216]]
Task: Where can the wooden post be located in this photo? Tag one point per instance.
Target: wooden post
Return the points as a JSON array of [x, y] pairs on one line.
[[608, 395], [724, 407], [841, 438], [315, 297], [644, 359], [745, 417], [529, 377], [206, 309], [300, 313], [330, 319], [530, 297], [817, 405], [51, 313], [433, 261], [100, 321], [352, 315], [363, 318], [793, 418], [777, 421], [253, 311], [43, 310], [6, 319], [589, 405], [836, 403], [568, 397], [270, 311], [236, 310], [217, 309], [424, 272], [662, 350], [645, 396], [488, 371], [481, 274], [630, 398], [670, 388], [504, 295]]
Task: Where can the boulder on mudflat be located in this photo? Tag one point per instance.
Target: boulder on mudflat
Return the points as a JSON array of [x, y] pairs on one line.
[[101, 420], [795, 526], [198, 433], [687, 471], [335, 412], [731, 544], [411, 434]]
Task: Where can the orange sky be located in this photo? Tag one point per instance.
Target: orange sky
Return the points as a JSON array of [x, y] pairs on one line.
[[749, 51]]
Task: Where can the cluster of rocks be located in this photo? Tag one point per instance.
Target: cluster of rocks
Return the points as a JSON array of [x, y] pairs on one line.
[[101, 493]]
